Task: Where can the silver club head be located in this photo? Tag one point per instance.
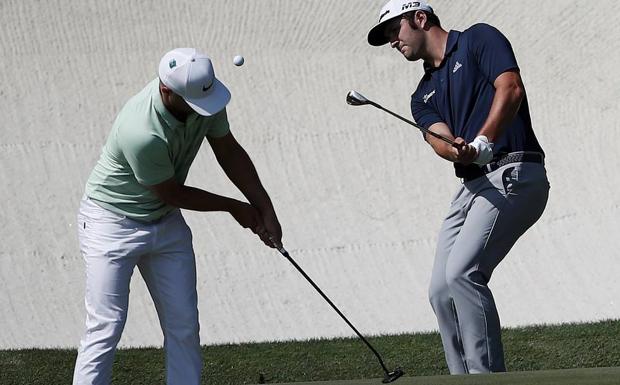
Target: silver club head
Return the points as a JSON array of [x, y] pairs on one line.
[[354, 98]]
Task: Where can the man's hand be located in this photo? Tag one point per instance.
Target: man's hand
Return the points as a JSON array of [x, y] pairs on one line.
[[480, 151], [459, 152], [246, 215], [274, 231], [484, 149], [249, 218], [462, 152], [266, 227]]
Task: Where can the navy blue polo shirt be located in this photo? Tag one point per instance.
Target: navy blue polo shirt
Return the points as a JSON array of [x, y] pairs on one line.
[[460, 91]]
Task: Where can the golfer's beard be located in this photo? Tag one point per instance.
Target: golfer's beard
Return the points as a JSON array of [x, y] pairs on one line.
[[410, 54], [411, 57]]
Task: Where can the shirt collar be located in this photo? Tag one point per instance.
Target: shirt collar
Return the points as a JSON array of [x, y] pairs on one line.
[[451, 45]]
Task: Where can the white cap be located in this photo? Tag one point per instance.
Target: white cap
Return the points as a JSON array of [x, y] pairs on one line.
[[391, 10], [190, 75]]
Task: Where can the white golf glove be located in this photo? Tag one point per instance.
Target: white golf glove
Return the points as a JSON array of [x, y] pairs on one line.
[[484, 149]]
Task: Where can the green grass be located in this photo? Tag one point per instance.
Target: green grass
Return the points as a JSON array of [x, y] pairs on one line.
[[591, 376], [536, 348]]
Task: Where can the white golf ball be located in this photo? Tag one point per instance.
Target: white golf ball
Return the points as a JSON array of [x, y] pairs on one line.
[[238, 60]]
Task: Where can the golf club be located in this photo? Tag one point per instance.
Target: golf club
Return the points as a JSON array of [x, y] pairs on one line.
[[354, 98], [389, 376]]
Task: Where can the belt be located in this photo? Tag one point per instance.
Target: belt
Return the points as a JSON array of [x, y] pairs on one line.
[[472, 172]]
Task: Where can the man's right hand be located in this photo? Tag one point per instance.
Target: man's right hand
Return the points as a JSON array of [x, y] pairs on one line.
[[250, 218], [462, 152], [247, 216]]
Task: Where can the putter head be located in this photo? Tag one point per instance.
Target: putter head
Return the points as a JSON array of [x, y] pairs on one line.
[[354, 98], [393, 376]]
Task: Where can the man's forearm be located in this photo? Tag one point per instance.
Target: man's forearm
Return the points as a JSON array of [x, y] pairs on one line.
[[440, 147], [241, 171], [192, 198]]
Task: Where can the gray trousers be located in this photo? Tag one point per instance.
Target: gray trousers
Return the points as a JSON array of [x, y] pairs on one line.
[[486, 217]]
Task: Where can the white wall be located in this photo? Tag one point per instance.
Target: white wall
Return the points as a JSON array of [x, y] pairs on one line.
[[359, 194]]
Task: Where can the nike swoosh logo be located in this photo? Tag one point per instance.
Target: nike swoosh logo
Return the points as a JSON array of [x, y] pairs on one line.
[[205, 88], [385, 13]]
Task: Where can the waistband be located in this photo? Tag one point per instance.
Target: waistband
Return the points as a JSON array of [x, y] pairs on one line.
[[111, 209], [471, 173]]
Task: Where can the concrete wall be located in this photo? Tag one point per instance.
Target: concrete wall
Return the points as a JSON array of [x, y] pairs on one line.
[[359, 194]]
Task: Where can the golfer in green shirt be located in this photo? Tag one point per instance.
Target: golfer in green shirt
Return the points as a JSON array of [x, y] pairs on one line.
[[130, 214]]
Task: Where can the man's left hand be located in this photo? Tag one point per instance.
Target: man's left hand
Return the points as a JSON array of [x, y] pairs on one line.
[[484, 150]]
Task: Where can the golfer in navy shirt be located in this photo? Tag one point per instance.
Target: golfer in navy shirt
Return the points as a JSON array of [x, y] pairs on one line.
[[472, 93]]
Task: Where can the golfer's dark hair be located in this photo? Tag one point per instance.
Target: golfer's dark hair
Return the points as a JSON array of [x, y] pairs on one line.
[[430, 17]]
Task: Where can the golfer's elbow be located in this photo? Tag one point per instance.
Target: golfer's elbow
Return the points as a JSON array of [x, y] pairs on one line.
[[515, 93], [170, 192], [510, 86]]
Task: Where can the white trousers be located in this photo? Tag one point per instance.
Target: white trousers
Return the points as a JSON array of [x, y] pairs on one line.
[[112, 245], [486, 218]]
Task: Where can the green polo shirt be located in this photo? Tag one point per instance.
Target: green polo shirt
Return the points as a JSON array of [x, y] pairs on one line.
[[147, 146]]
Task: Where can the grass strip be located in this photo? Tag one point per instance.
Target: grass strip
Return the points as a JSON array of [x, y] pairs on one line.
[[534, 348]]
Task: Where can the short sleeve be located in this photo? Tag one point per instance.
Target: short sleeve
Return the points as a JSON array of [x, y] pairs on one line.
[[218, 125], [147, 155], [492, 51], [423, 113]]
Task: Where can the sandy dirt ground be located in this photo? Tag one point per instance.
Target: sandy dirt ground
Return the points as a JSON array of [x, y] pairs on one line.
[[359, 194]]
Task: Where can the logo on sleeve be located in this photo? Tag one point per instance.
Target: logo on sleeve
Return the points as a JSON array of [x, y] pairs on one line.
[[428, 96]]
